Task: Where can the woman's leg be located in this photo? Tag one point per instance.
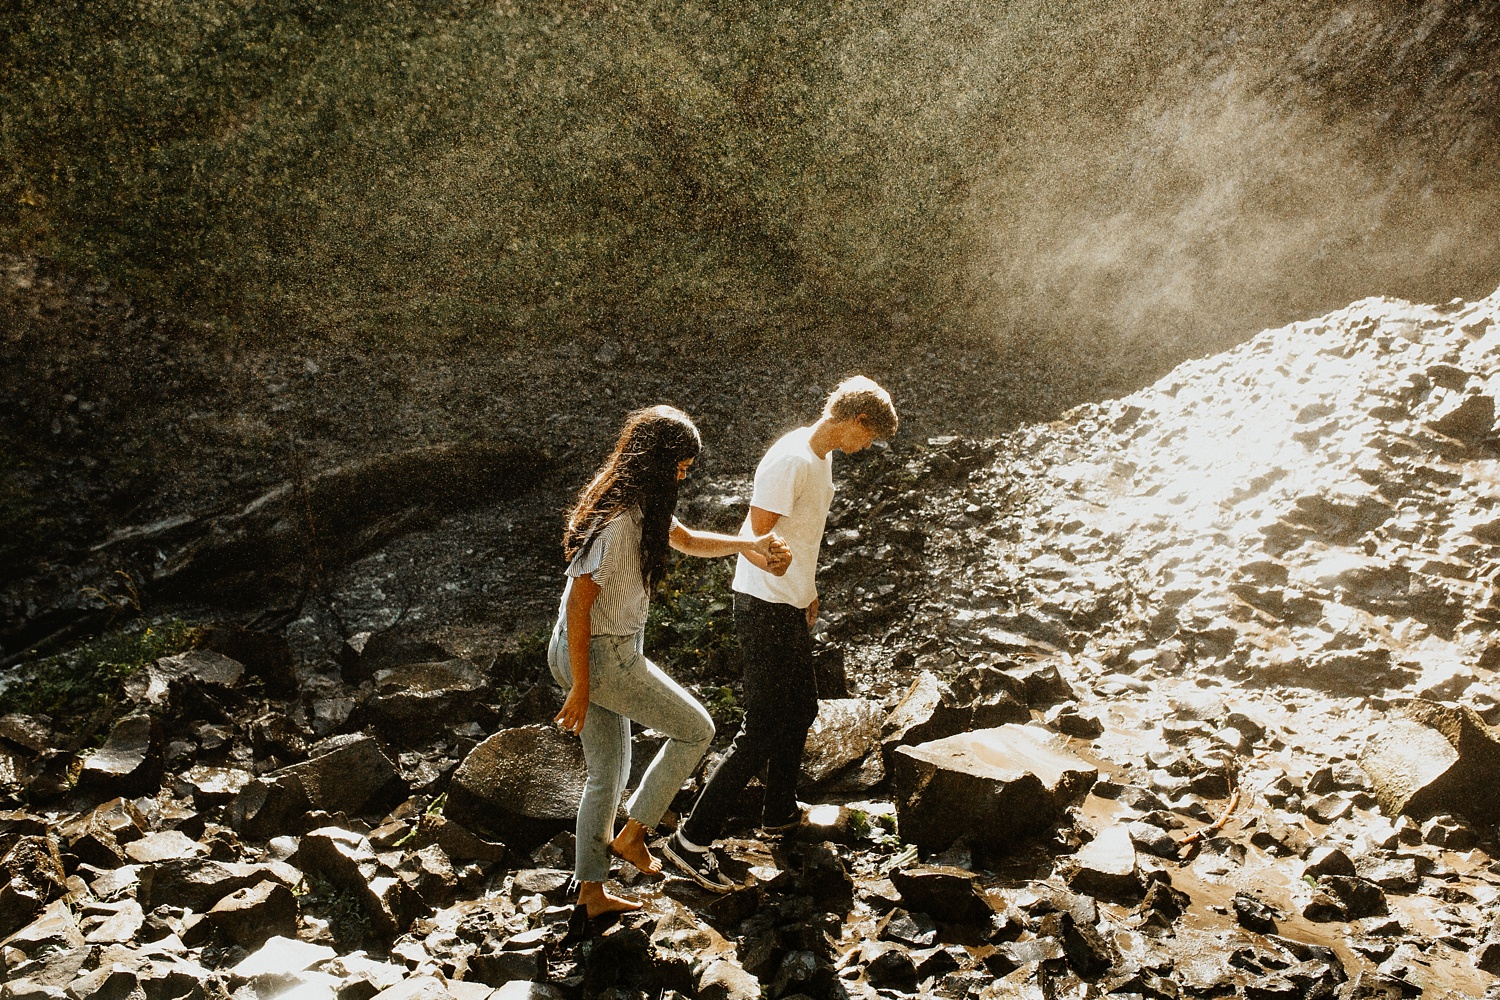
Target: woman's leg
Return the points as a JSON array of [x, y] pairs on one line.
[[643, 692]]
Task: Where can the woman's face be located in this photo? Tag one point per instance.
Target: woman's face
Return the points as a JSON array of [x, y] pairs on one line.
[[682, 468]]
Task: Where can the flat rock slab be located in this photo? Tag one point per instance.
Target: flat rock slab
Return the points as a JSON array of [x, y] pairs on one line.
[[129, 761], [1433, 758], [520, 787], [152, 684], [280, 955], [944, 893], [992, 786], [166, 845], [1107, 866]]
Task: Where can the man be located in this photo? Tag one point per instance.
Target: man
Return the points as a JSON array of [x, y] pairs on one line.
[[774, 617]]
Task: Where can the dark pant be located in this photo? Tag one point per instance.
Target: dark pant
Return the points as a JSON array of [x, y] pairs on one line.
[[781, 701]]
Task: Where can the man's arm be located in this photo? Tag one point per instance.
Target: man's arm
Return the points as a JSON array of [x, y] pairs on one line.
[[761, 522]]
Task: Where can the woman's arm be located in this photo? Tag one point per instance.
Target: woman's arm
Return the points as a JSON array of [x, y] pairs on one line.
[[766, 550], [578, 615]]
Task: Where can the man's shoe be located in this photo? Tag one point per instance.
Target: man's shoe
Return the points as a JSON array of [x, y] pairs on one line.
[[700, 866], [790, 823]]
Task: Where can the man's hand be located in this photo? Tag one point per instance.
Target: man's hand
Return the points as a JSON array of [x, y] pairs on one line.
[[574, 709], [778, 556], [812, 614]]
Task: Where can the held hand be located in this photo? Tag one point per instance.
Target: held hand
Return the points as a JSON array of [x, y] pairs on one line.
[[812, 614], [574, 709], [778, 557]]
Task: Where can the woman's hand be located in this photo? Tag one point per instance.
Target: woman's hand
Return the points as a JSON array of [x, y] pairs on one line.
[[574, 709]]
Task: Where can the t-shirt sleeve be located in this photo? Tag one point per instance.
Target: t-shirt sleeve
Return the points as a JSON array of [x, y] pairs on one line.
[[601, 556], [777, 483]]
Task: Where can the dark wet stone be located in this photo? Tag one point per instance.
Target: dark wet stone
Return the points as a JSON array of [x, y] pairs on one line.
[[248, 917], [948, 894], [458, 843], [1086, 950], [129, 763], [32, 733], [916, 930], [413, 702], [1328, 861], [266, 656], [1164, 901], [889, 964], [153, 683], [1471, 418], [519, 787], [430, 872], [269, 807], [1009, 956], [993, 696], [1152, 839], [364, 653], [1358, 897], [1106, 867], [33, 874], [1254, 913], [925, 713], [1067, 720], [348, 861], [497, 968], [990, 786], [1487, 955]]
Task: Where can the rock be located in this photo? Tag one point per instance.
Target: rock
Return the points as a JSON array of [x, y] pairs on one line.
[[1067, 720], [152, 683], [198, 883], [346, 774], [1487, 955], [992, 696], [456, 842], [945, 893], [844, 732], [129, 762], [121, 927], [281, 955], [1357, 897], [414, 701], [1254, 914], [1471, 418], [365, 653], [1328, 861], [520, 786], [33, 871], [55, 929], [1106, 867], [32, 733], [527, 991], [248, 917], [430, 872], [268, 807], [1042, 681], [165, 845], [266, 656], [1435, 759], [724, 979], [1152, 839], [347, 860], [888, 964], [927, 712], [916, 930], [991, 786]]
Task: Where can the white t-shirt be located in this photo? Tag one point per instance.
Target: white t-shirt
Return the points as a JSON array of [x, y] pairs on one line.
[[794, 482], [614, 560]]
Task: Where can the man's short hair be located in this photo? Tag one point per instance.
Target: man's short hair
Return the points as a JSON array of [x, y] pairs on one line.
[[858, 396]]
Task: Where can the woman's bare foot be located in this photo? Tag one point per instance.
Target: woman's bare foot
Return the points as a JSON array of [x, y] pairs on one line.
[[597, 901], [630, 845]]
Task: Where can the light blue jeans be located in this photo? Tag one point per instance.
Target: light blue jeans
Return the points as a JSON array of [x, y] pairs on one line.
[[624, 685]]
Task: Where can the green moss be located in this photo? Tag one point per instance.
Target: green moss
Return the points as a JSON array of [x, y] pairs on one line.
[[690, 629], [83, 683]]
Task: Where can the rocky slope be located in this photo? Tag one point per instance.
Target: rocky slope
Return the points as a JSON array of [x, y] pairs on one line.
[[1184, 694]]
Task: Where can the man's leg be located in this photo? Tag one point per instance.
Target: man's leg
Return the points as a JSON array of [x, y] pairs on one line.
[[795, 696], [759, 730]]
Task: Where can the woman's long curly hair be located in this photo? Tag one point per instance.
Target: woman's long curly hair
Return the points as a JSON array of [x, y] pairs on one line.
[[640, 472]]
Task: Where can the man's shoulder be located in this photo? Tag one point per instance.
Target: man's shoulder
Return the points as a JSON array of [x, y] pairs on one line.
[[790, 446]]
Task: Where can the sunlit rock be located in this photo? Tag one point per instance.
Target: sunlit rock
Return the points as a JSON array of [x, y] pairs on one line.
[[845, 730], [520, 786], [1435, 759], [989, 786]]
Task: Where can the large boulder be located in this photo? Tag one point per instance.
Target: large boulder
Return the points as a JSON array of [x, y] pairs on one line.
[[520, 787], [991, 786], [1433, 758]]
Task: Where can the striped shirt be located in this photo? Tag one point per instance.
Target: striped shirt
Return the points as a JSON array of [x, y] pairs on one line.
[[614, 562]]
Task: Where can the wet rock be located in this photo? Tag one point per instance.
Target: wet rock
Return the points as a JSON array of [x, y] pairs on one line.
[[992, 696], [1328, 861], [430, 872], [1487, 955], [1009, 956], [916, 930], [1435, 759], [248, 917], [1162, 905], [1357, 897], [280, 956], [199, 883], [946, 893], [346, 774], [265, 655], [53, 930], [1042, 681], [129, 763], [1469, 418], [844, 732], [1086, 950], [208, 785], [270, 806], [520, 786], [121, 926], [1067, 720], [991, 786], [1152, 839], [1254, 913], [926, 712], [165, 845], [414, 701], [1106, 867], [889, 964]]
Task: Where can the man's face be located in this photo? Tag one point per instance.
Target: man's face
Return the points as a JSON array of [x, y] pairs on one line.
[[856, 435]]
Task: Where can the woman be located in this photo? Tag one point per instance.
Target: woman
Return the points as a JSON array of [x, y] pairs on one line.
[[616, 542]]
